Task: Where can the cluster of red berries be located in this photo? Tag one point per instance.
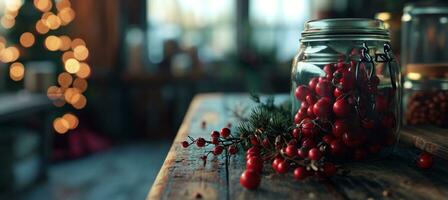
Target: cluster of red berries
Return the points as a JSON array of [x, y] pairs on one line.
[[222, 140], [347, 113]]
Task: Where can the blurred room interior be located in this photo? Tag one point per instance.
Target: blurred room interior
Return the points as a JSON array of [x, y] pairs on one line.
[[92, 92]]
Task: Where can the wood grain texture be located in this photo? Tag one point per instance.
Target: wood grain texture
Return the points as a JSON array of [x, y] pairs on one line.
[[183, 175], [428, 138]]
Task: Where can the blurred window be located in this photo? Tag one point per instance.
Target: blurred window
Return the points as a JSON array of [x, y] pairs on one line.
[[207, 25], [276, 26]]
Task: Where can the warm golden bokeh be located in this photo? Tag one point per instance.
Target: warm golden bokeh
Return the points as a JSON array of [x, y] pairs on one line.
[[9, 54], [72, 66], [65, 43], [16, 71], [66, 15], [72, 120], [76, 42], [65, 79], [61, 4], [27, 39], [67, 55], [84, 70], [80, 103], [80, 84], [43, 5], [41, 28], [53, 22], [54, 92], [71, 95], [81, 52], [52, 43], [61, 125], [7, 21]]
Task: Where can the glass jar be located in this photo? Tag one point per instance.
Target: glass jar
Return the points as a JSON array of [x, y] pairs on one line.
[[425, 60], [346, 87]]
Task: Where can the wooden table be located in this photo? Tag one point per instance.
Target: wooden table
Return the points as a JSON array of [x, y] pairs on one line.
[[183, 175]]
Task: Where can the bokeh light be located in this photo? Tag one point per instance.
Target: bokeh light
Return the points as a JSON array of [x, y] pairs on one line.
[[80, 84], [66, 15], [16, 71], [72, 66], [7, 21], [54, 92], [81, 52], [41, 28], [27, 39], [72, 120], [43, 5], [76, 42], [65, 79], [61, 125], [84, 70], [65, 43], [52, 43], [9, 54]]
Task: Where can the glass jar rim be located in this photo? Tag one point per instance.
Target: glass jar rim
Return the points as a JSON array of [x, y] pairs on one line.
[[345, 29], [425, 8]]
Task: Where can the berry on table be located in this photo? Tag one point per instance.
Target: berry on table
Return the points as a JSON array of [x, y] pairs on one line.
[[200, 142], [283, 167], [250, 179], [232, 149], [424, 161], [225, 132], [218, 150], [184, 144], [300, 173], [254, 163]]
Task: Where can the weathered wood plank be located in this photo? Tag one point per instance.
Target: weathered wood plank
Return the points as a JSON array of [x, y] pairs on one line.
[[183, 176]]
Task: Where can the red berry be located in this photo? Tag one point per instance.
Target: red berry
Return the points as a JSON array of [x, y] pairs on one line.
[[310, 112], [184, 144], [340, 65], [217, 150], [328, 69], [233, 149], [309, 129], [214, 134], [250, 179], [323, 88], [292, 142], [339, 127], [255, 163], [300, 173], [328, 138], [311, 99], [309, 143], [336, 148], [337, 92], [302, 152], [296, 133], [253, 150], [314, 154], [225, 132], [254, 140], [266, 142], [304, 104], [322, 108], [215, 140], [283, 167], [313, 82], [329, 169], [301, 92], [424, 161], [301, 114], [291, 150], [276, 162], [342, 108], [200, 142]]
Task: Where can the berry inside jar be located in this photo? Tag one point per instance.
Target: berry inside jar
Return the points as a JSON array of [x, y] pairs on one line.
[[346, 113]]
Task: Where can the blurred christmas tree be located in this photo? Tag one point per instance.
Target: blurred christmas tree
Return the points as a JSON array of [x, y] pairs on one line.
[[34, 31]]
